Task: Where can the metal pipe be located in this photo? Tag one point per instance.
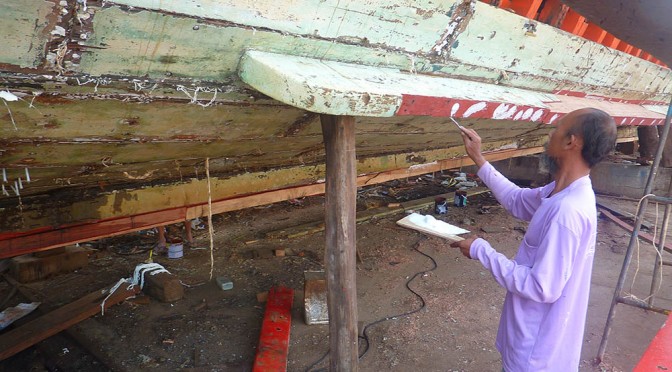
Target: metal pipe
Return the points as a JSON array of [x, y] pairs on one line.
[[643, 305], [658, 265], [635, 232]]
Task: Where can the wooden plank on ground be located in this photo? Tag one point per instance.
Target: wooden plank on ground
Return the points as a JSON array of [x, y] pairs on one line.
[[629, 228], [363, 216], [601, 202], [29, 334]]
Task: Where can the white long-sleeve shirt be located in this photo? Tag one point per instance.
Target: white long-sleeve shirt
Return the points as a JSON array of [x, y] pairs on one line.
[[548, 281]]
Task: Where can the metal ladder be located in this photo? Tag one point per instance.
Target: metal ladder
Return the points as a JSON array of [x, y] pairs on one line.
[[618, 294]]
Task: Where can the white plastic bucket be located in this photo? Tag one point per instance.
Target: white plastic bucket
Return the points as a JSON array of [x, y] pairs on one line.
[[175, 250]]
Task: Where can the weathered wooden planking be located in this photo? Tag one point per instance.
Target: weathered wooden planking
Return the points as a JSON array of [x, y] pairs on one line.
[[24, 31], [493, 41], [414, 26], [338, 88], [23, 337], [157, 44], [499, 40]]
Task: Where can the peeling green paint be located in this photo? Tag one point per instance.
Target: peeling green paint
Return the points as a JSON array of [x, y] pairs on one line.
[[24, 32]]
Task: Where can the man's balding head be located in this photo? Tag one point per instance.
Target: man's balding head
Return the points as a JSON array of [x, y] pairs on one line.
[[597, 129]]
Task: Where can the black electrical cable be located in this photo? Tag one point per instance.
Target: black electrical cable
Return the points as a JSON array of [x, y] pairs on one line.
[[365, 336]]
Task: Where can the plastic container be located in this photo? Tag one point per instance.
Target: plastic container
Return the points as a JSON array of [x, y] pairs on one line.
[[175, 250], [224, 283], [440, 205]]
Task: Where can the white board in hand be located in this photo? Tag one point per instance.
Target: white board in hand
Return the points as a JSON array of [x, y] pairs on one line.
[[431, 226]]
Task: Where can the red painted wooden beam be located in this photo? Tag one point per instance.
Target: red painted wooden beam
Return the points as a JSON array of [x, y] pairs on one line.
[[611, 41], [553, 13], [574, 23], [274, 338], [526, 8], [595, 33], [624, 47], [658, 356]]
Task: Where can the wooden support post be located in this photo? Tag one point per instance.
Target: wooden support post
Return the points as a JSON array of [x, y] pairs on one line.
[[339, 252]]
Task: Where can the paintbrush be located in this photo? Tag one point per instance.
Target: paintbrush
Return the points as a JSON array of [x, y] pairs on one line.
[[461, 128], [456, 123]]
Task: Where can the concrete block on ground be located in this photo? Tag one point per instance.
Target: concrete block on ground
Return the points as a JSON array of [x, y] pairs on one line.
[[315, 298]]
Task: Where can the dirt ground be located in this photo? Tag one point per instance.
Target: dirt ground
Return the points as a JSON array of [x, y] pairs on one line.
[[215, 330]]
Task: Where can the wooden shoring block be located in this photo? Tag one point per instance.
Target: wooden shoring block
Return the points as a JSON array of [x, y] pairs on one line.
[[27, 335], [50, 252], [28, 268], [275, 328], [164, 287]]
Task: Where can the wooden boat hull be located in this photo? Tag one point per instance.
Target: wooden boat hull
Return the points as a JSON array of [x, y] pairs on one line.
[[120, 104]]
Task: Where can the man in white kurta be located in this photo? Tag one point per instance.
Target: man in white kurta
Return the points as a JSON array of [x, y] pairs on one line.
[[548, 281]]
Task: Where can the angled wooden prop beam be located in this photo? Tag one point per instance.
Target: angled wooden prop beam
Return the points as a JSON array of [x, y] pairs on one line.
[[340, 250], [27, 335], [336, 88]]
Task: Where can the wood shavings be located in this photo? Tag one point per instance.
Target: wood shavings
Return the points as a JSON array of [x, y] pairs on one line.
[[194, 97], [144, 176]]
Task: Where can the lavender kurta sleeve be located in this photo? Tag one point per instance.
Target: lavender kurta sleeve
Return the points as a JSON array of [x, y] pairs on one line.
[[548, 281]]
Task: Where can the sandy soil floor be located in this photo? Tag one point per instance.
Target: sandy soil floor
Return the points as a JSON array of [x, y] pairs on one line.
[[215, 330]]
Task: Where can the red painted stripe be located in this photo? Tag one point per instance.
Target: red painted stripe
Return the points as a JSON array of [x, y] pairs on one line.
[[465, 108], [413, 105], [658, 356], [274, 338]]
